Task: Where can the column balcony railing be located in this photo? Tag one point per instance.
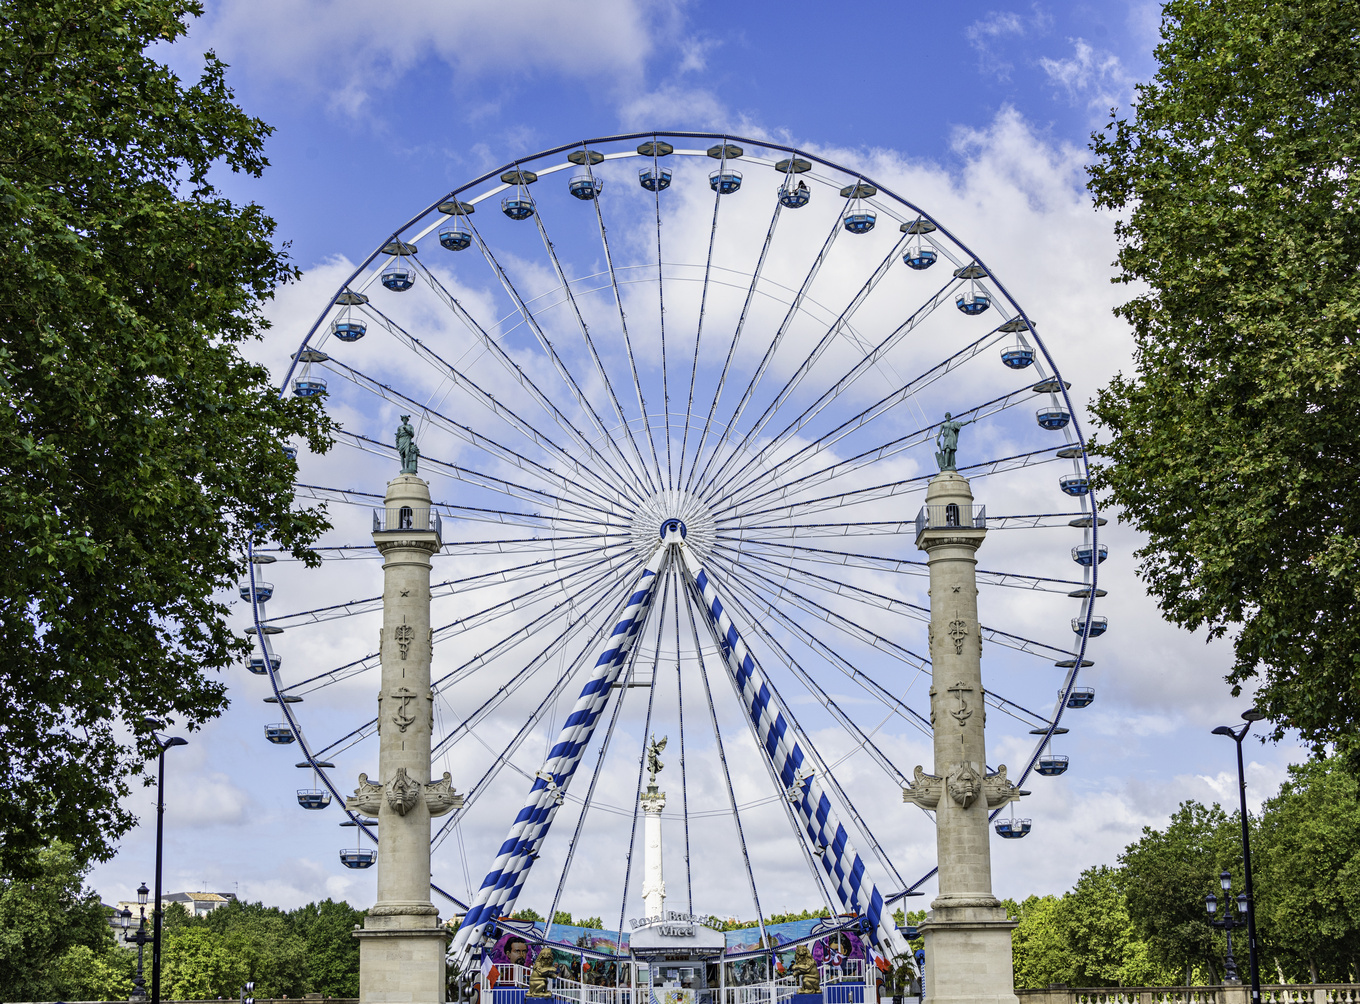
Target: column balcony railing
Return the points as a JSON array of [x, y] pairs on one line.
[[951, 515], [395, 519]]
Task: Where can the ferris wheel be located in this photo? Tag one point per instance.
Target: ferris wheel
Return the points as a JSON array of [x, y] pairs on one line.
[[695, 336]]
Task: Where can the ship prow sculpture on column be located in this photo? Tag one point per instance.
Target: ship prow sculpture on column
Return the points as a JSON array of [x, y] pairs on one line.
[[967, 932], [402, 945]]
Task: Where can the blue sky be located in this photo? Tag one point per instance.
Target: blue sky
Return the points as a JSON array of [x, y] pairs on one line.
[[978, 114]]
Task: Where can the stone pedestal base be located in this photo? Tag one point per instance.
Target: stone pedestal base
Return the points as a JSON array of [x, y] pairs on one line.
[[968, 955], [401, 964]]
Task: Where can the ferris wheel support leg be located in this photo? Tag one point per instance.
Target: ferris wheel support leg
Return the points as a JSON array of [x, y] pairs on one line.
[[967, 933], [401, 946]]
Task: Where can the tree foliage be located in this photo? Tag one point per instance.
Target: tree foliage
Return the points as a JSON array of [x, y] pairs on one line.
[[1165, 876], [1234, 445], [1084, 938], [1307, 874], [286, 953], [138, 447], [55, 939]]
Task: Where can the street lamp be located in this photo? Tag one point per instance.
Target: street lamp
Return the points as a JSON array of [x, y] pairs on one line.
[[1230, 921], [140, 939], [1246, 903], [163, 743]]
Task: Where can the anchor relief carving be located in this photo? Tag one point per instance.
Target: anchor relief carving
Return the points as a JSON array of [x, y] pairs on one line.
[[403, 719], [962, 712]]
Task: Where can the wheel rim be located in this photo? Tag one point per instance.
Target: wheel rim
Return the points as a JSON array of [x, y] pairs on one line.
[[600, 467]]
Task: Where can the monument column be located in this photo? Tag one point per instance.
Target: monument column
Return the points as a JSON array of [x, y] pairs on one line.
[[653, 801], [967, 934], [402, 945]]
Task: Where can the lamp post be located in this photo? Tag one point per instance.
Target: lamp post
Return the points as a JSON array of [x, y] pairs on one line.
[[163, 743], [140, 939], [1230, 922], [1237, 735]]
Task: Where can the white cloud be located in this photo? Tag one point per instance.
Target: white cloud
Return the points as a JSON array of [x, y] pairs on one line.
[[350, 50], [994, 35], [1094, 78], [694, 53]]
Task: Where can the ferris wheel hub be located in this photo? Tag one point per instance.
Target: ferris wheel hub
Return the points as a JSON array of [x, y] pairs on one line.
[[670, 517]]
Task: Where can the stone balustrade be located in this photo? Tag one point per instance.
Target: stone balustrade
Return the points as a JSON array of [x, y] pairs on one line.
[[1275, 993]]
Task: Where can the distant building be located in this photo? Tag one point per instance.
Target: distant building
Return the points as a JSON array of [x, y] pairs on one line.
[[197, 903]]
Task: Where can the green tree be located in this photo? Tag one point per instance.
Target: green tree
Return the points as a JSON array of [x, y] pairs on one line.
[[1103, 948], [83, 974], [197, 965], [138, 448], [1233, 446], [1306, 860], [1165, 876], [530, 914], [1038, 949], [331, 965], [45, 915]]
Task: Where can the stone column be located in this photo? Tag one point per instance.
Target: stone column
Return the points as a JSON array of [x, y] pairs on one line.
[[967, 935], [653, 881], [401, 949]]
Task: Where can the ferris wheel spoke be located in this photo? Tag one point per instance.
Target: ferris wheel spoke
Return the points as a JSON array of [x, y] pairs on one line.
[[911, 566], [450, 738], [665, 371], [699, 329], [867, 682], [484, 397], [471, 514], [727, 579], [627, 338], [814, 754], [468, 434], [834, 655], [680, 714], [886, 403], [912, 610], [891, 489], [534, 545], [736, 338], [584, 328], [805, 367], [844, 624], [511, 489], [855, 422], [503, 760], [339, 552], [462, 586], [563, 371], [766, 358], [470, 621], [740, 498]]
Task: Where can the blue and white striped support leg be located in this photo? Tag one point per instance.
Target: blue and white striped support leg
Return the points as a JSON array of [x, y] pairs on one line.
[[503, 883], [828, 838]]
